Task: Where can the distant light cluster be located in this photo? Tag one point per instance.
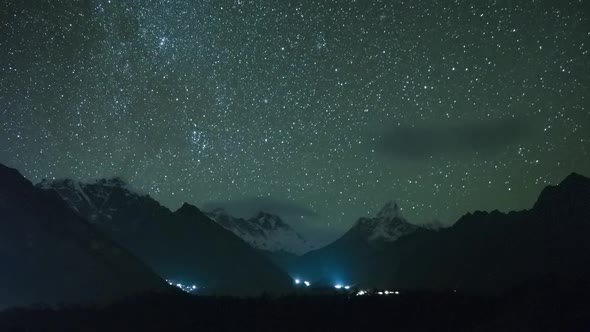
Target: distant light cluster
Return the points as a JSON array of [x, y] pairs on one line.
[[305, 282], [186, 288], [363, 292]]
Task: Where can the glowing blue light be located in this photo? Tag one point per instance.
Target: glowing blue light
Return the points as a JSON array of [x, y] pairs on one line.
[[338, 286], [346, 287], [306, 283], [297, 281]]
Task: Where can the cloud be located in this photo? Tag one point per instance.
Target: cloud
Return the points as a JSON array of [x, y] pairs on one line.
[[423, 142], [249, 206]]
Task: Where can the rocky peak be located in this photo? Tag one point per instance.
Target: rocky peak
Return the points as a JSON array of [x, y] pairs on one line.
[[389, 211], [573, 190], [263, 231], [269, 221], [388, 225]]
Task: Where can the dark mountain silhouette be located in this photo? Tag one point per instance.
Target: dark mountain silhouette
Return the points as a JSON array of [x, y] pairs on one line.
[[492, 252], [344, 260], [484, 252], [184, 246], [51, 255]]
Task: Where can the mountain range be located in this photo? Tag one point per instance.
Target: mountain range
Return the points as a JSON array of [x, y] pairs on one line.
[[492, 252], [51, 255], [483, 252], [343, 260], [70, 241], [263, 231], [184, 246]]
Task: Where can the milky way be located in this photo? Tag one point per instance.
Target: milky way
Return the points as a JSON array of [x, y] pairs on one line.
[[334, 107]]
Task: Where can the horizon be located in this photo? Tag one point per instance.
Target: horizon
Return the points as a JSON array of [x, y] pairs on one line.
[[293, 221]]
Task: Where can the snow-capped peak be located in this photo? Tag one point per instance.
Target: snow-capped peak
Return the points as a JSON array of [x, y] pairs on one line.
[[69, 183], [270, 222], [388, 225], [93, 199], [389, 211], [263, 231]]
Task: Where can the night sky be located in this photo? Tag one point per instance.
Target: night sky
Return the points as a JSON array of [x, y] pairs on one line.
[[319, 110]]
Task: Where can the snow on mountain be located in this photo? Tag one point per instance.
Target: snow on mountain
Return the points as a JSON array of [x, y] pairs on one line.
[[183, 245], [51, 255], [388, 225], [92, 199], [263, 231], [348, 258]]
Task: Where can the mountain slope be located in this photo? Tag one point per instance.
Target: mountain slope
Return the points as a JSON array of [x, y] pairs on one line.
[[484, 252], [51, 255], [264, 231], [342, 261], [183, 246], [491, 252], [387, 226]]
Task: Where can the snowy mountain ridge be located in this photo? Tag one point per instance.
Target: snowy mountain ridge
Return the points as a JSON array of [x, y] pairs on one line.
[[388, 225], [90, 197], [184, 246], [263, 231]]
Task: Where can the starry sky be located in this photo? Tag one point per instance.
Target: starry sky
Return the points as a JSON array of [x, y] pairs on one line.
[[322, 109]]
